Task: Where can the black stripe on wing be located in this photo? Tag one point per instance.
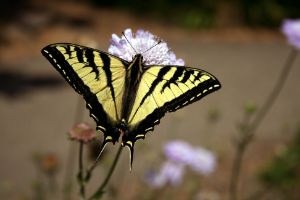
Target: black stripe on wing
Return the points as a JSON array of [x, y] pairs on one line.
[[175, 78], [91, 60], [106, 65], [159, 78]]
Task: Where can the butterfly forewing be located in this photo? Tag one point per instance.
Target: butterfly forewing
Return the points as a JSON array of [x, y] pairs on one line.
[[98, 76], [165, 89]]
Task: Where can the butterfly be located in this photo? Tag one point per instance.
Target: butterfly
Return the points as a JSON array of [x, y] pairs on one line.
[[127, 99]]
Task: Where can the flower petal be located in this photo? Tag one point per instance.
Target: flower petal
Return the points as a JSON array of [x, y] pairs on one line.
[[291, 29], [170, 173], [204, 161], [179, 151]]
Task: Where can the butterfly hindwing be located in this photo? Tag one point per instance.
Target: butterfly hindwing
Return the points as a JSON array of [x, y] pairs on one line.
[[165, 89], [98, 76]]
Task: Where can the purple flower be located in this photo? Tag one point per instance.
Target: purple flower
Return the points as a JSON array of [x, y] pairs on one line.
[[291, 29], [179, 151], [199, 159], [145, 43], [170, 173], [204, 161], [180, 155]]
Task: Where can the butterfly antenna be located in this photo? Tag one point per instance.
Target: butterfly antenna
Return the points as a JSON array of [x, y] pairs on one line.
[[159, 41], [129, 42]]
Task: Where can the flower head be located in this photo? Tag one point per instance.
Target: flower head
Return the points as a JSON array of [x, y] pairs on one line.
[[170, 173], [204, 161], [154, 51], [199, 159], [180, 155], [82, 132], [291, 29], [179, 151]]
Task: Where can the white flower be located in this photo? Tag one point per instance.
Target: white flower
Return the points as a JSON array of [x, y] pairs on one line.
[[145, 43]]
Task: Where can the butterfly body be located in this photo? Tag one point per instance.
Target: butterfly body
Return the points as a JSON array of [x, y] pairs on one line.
[[127, 99]]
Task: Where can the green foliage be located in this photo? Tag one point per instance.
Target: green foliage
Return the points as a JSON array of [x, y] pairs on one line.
[[203, 13], [283, 171], [250, 108], [189, 13]]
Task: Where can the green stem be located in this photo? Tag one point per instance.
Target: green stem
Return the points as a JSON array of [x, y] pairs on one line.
[[100, 190], [80, 173], [250, 131], [235, 171], [91, 168], [67, 185], [274, 93]]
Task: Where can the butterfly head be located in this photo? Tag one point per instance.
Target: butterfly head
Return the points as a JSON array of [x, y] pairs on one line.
[[138, 58]]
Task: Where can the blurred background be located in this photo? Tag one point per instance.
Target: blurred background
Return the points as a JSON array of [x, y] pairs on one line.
[[239, 41]]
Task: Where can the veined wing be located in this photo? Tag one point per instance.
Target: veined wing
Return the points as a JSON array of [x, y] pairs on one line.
[[165, 89], [98, 76]]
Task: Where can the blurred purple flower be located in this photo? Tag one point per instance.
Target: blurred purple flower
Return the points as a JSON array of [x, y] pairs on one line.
[[170, 173], [179, 155], [291, 29], [199, 159], [204, 161], [142, 42], [179, 151]]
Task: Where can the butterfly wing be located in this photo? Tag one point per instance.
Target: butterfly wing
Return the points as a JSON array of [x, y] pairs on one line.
[[165, 89], [98, 76]]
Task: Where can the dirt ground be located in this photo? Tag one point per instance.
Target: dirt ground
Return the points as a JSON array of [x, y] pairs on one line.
[[37, 107]]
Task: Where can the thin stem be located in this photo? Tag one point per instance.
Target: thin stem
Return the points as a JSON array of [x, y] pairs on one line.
[[91, 168], [71, 152], [80, 173], [249, 133], [238, 157], [275, 92], [236, 169], [100, 190]]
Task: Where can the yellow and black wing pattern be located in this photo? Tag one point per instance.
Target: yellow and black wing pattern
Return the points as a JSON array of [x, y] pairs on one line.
[[98, 76], [165, 89], [127, 99]]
